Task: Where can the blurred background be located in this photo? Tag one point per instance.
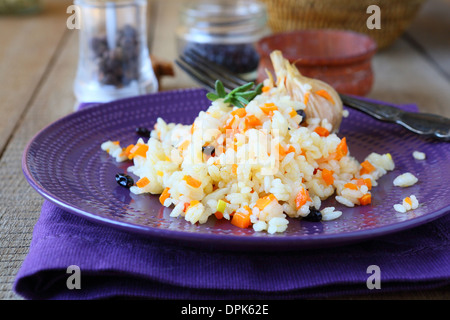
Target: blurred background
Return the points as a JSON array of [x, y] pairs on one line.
[[406, 26], [41, 59]]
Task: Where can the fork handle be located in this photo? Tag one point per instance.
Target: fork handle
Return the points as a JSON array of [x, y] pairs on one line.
[[420, 123]]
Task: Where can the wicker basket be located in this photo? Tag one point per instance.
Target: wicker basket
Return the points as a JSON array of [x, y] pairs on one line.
[[396, 15]]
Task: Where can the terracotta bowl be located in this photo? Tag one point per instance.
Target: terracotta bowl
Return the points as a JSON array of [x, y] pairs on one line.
[[340, 58]]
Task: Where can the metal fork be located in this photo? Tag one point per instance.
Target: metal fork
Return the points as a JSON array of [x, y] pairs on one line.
[[206, 73]]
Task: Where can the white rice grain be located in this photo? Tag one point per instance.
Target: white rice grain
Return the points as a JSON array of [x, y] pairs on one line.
[[406, 205], [260, 226], [399, 208], [330, 213], [415, 202], [405, 180], [344, 201], [278, 224], [419, 155]]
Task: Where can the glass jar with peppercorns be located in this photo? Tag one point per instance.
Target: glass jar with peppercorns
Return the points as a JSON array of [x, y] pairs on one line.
[[224, 32], [114, 60]]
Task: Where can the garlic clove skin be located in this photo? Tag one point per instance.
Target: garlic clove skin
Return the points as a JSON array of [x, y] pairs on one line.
[[320, 99]]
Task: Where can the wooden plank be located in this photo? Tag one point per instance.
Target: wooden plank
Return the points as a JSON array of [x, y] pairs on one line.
[[429, 33], [27, 45], [403, 76], [20, 204]]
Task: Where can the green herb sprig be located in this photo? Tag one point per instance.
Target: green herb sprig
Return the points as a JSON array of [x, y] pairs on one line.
[[239, 97]]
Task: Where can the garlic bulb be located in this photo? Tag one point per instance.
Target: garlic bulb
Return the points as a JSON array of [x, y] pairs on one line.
[[320, 99]]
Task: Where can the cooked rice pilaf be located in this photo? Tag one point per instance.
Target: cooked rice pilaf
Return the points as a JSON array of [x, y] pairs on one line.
[[254, 166]]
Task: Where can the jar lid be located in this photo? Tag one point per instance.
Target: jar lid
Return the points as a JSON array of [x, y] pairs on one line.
[[235, 21]]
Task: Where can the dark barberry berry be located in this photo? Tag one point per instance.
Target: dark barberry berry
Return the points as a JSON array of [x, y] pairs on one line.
[[124, 180], [208, 150], [314, 215], [143, 132], [302, 113]]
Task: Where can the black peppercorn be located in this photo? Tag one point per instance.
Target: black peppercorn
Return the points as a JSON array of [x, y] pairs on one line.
[[118, 66]]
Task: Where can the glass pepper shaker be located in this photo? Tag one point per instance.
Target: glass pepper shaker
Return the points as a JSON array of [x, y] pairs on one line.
[[114, 60]]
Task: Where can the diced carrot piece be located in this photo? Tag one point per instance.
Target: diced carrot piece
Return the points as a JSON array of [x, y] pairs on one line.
[[240, 112], [194, 203], [230, 123], [138, 150], [408, 201], [127, 150], [302, 198], [269, 107], [252, 121], [234, 168], [186, 206], [360, 182], [263, 202], [142, 151], [265, 89], [293, 113], [327, 176], [341, 149], [271, 197], [325, 94], [368, 183], [365, 199], [281, 151], [241, 220], [163, 197], [116, 143], [321, 131], [351, 186], [306, 98], [192, 181], [249, 210], [143, 182], [219, 215], [367, 167], [290, 149]]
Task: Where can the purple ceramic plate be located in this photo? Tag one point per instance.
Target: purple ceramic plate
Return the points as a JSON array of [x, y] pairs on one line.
[[65, 164]]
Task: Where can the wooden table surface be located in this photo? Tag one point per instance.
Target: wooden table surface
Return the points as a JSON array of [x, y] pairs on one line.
[[38, 61]]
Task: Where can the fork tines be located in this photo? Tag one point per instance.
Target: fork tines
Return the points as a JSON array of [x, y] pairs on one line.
[[206, 72]]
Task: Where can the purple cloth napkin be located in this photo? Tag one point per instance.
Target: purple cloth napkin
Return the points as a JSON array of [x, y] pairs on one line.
[[113, 263]]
